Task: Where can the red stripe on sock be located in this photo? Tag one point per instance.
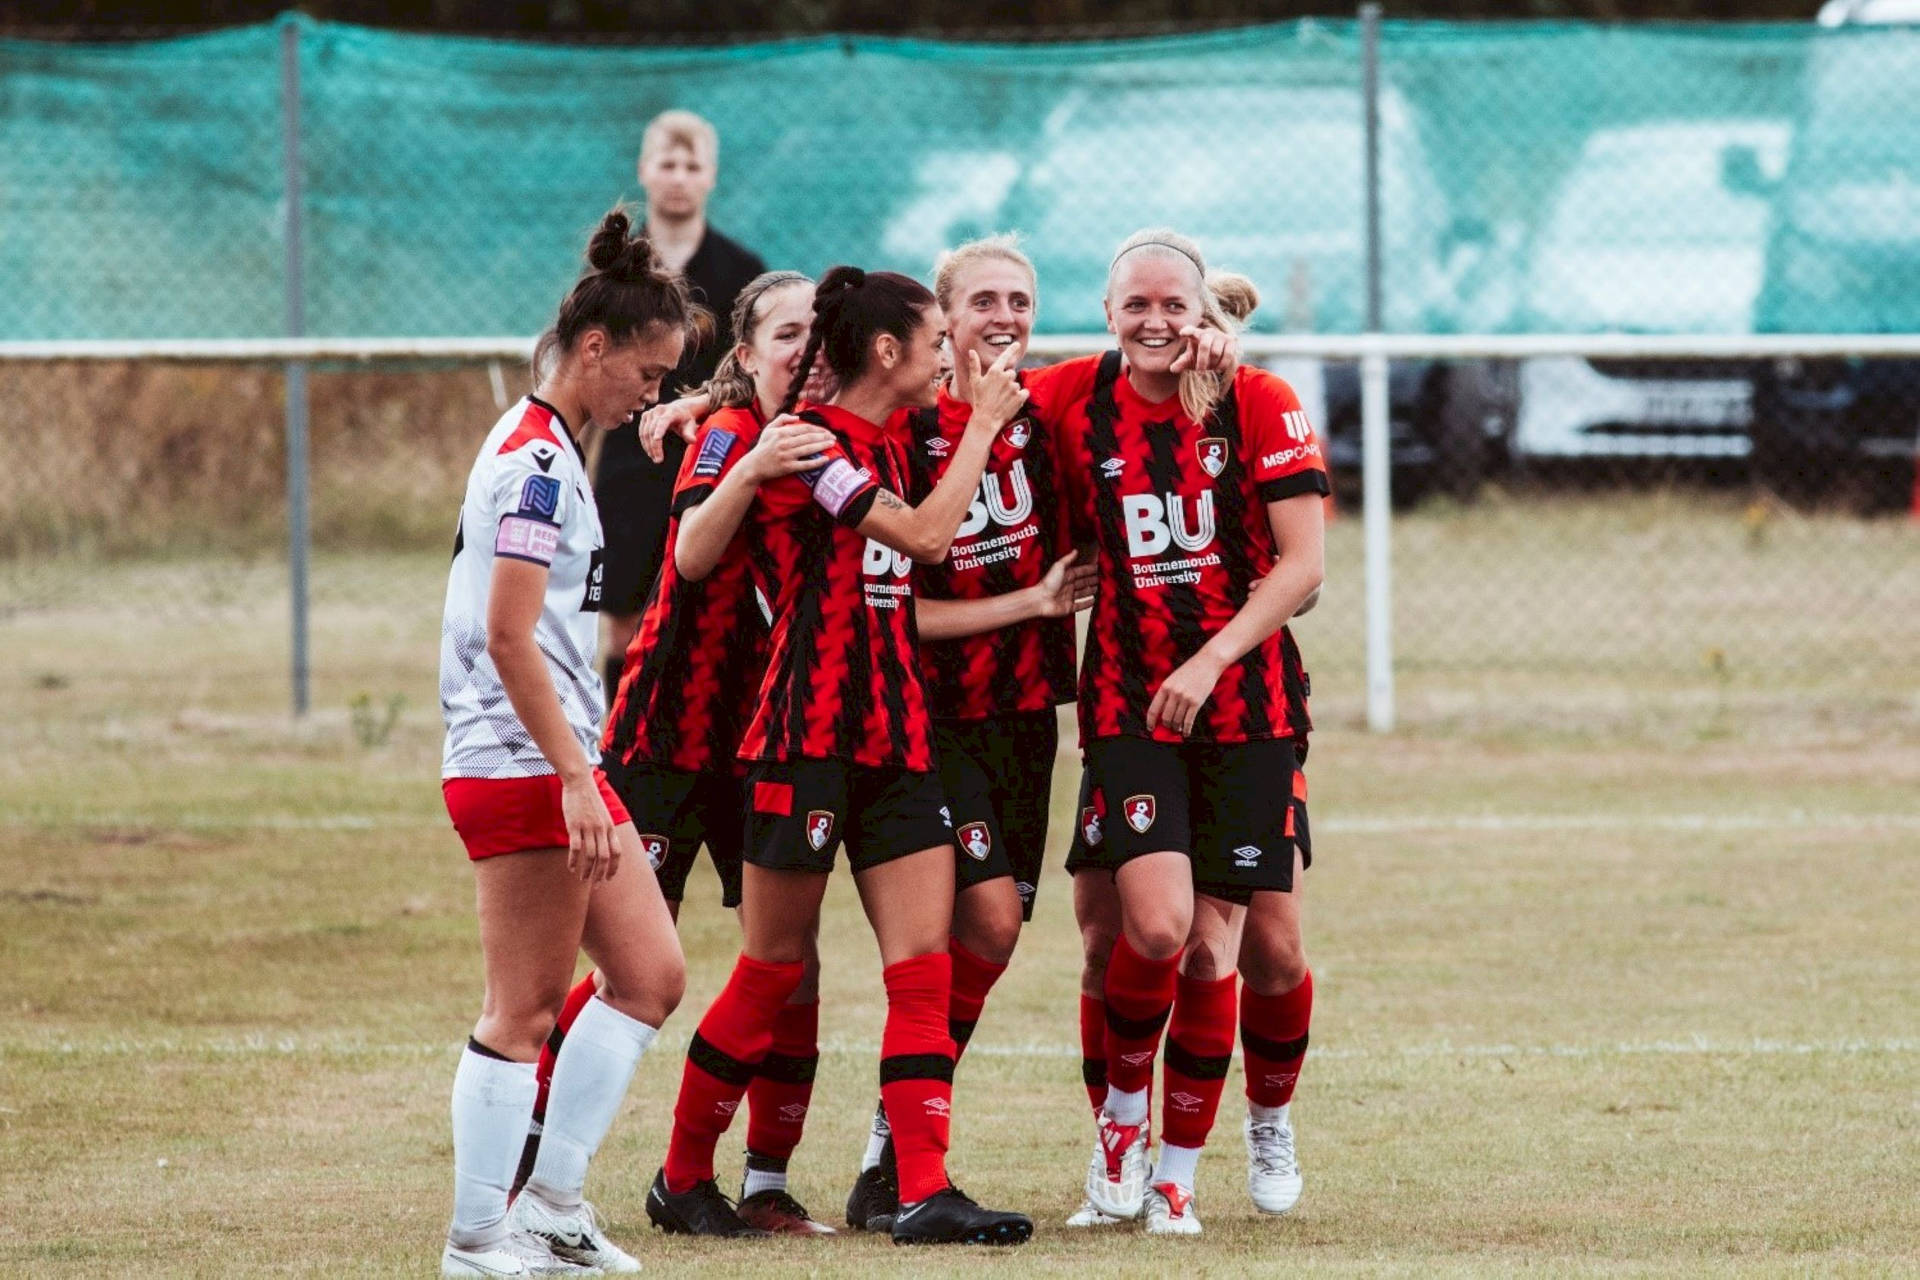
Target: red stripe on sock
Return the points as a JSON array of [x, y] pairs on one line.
[[1271, 1081], [920, 1110], [973, 978], [1202, 1027], [777, 1109], [583, 991], [739, 1024], [1138, 990], [1093, 1048]]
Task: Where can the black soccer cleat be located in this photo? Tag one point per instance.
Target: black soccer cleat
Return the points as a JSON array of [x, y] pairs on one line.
[[950, 1217], [700, 1210], [875, 1197]]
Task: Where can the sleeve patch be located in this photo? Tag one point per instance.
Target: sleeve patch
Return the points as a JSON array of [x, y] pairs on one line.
[[526, 538], [539, 498], [836, 484], [714, 449]]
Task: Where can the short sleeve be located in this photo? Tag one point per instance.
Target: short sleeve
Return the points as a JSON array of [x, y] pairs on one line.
[[529, 504], [1282, 445], [838, 487], [715, 452]]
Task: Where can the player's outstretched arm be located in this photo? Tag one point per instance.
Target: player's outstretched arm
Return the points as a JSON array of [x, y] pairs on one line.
[[786, 447], [1065, 590]]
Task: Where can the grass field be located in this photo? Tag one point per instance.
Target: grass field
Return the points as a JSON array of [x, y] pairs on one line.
[[1614, 941]]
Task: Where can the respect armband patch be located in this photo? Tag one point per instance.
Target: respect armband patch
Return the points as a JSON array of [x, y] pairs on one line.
[[540, 497], [837, 484], [714, 449], [524, 538]]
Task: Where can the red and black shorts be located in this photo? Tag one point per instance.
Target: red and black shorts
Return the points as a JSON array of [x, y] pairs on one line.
[[511, 815], [998, 778], [799, 812], [1237, 809], [676, 812]]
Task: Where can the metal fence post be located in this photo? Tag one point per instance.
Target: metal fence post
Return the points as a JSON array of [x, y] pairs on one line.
[[1376, 460], [298, 529]]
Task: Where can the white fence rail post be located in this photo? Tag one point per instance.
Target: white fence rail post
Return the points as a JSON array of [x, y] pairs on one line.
[[1376, 469]]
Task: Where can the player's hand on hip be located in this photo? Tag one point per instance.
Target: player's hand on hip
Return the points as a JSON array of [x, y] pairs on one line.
[[590, 850]]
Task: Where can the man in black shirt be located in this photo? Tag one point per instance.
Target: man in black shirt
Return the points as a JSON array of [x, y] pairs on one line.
[[679, 162]]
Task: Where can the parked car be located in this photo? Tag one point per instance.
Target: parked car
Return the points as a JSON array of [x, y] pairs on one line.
[[1844, 257], [1657, 228]]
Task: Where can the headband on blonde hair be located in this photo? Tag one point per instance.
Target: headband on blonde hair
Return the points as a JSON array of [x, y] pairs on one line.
[[1158, 244]]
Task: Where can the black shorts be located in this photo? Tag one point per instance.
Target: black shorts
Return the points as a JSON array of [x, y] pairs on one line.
[[677, 812], [998, 778], [1237, 809], [800, 810], [634, 495]]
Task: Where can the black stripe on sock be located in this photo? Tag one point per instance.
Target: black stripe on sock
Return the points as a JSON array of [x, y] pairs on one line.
[[961, 1032], [765, 1164], [1148, 1028], [474, 1046], [783, 1068], [916, 1066], [1093, 1072], [1193, 1066], [721, 1066], [1277, 1050]]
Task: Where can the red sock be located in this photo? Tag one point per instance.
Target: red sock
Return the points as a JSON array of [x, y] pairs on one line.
[[916, 1070], [1093, 1048], [583, 991], [782, 1086], [1139, 998], [972, 979], [1273, 1030], [721, 1058], [1199, 1051]]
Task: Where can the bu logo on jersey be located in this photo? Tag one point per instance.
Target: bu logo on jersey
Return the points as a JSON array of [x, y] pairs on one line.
[[1156, 521], [1213, 454], [819, 827], [1140, 811], [1006, 502], [975, 840], [882, 561]]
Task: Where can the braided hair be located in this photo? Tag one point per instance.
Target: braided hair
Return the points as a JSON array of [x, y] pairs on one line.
[[850, 308]]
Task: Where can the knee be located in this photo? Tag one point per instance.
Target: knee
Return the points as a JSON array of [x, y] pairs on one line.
[[651, 995], [1159, 934], [989, 926], [1096, 948], [518, 1031], [1273, 966]]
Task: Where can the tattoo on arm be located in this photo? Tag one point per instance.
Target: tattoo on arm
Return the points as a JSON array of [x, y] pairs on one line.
[[886, 499]]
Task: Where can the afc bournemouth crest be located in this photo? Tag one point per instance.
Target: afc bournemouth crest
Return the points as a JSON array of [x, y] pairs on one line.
[[974, 839], [1019, 432], [1093, 821], [819, 827], [655, 847], [1140, 811], [1213, 454]]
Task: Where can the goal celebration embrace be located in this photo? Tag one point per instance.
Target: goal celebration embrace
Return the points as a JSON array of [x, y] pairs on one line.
[[895, 549]]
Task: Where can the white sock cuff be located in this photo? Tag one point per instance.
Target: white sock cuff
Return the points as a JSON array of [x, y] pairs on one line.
[[601, 1023], [1126, 1106], [495, 1081], [1268, 1115], [1178, 1165]]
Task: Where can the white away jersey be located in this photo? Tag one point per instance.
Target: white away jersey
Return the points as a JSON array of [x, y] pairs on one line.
[[528, 498]]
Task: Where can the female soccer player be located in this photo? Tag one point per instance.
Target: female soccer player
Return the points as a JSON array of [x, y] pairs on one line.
[[1203, 495], [554, 854], [687, 693], [839, 749]]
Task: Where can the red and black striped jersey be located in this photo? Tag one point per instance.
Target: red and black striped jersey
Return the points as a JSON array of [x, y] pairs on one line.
[[842, 681], [1012, 532], [696, 660], [1179, 512]]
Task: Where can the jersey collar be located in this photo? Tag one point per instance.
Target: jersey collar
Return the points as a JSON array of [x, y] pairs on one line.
[[565, 430]]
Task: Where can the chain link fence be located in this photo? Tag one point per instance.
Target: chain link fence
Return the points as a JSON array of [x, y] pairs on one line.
[[1581, 542]]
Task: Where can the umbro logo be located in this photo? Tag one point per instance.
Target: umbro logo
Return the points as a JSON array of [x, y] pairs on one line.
[[727, 1107], [1135, 1059], [1246, 856], [1283, 1079], [1113, 467], [939, 446], [1185, 1101], [794, 1112], [939, 1107]]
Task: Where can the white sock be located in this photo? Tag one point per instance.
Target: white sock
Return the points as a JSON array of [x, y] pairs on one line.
[[763, 1180], [876, 1139], [1177, 1165], [1127, 1107], [590, 1079], [492, 1103], [1268, 1115]]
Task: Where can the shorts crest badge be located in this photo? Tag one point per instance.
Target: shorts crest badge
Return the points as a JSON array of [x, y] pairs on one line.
[[819, 827], [976, 840], [1212, 453], [1140, 811], [655, 847]]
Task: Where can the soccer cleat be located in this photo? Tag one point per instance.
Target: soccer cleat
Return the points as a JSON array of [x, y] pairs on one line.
[[573, 1236], [779, 1214], [1169, 1211], [1088, 1216], [518, 1255], [700, 1210], [1273, 1171], [1117, 1173], [951, 1217], [875, 1197]]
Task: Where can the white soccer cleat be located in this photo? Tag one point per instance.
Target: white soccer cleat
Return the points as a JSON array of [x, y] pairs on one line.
[[1273, 1171], [1088, 1216], [1169, 1211], [1117, 1173], [518, 1255], [573, 1236]]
